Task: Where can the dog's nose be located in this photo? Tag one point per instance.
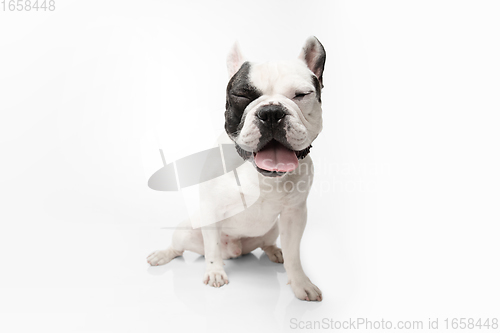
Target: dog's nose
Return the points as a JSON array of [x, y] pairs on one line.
[[271, 113]]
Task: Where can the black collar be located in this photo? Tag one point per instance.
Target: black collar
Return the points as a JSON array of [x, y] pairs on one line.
[[246, 154]]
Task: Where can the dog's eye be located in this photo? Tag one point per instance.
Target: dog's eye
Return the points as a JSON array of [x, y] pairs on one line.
[[299, 95], [241, 96]]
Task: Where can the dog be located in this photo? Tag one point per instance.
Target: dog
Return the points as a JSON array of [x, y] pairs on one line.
[[273, 114]]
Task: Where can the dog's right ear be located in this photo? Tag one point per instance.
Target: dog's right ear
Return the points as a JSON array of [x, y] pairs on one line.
[[234, 60]]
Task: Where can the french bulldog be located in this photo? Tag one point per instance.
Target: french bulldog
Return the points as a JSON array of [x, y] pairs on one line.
[[273, 114]]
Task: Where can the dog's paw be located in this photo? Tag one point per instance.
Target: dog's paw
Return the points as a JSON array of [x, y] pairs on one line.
[[304, 289], [215, 277], [162, 257], [274, 253]]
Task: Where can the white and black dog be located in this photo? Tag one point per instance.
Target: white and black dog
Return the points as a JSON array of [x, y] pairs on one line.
[[273, 114]]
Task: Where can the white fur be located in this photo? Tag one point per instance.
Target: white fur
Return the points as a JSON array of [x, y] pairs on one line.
[[281, 207], [234, 60]]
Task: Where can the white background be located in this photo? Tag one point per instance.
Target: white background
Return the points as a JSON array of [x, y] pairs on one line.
[[404, 215]]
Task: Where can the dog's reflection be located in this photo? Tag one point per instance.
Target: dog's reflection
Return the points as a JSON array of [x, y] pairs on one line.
[[253, 289]]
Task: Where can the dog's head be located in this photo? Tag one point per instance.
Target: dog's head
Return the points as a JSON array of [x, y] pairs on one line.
[[273, 109]]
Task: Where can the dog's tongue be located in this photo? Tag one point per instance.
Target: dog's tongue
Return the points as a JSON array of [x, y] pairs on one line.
[[275, 157]]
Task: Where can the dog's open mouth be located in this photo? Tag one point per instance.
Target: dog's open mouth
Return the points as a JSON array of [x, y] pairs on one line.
[[274, 159]]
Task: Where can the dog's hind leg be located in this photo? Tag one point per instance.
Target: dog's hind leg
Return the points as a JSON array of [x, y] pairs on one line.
[[267, 242], [269, 245], [184, 238]]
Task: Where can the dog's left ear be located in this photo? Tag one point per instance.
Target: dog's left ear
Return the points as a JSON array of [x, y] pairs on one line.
[[314, 55], [234, 60]]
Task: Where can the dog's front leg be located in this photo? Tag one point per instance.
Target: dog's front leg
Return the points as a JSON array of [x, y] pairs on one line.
[[215, 275], [292, 222]]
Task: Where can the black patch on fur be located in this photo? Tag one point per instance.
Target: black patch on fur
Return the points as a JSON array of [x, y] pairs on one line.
[[319, 67], [268, 173], [243, 153], [239, 93], [317, 87], [303, 153]]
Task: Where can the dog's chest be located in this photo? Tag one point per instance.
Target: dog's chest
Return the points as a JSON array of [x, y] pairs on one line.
[[260, 217], [272, 197], [256, 220]]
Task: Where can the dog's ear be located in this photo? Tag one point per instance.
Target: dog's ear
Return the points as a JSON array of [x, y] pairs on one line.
[[234, 60], [314, 55]]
